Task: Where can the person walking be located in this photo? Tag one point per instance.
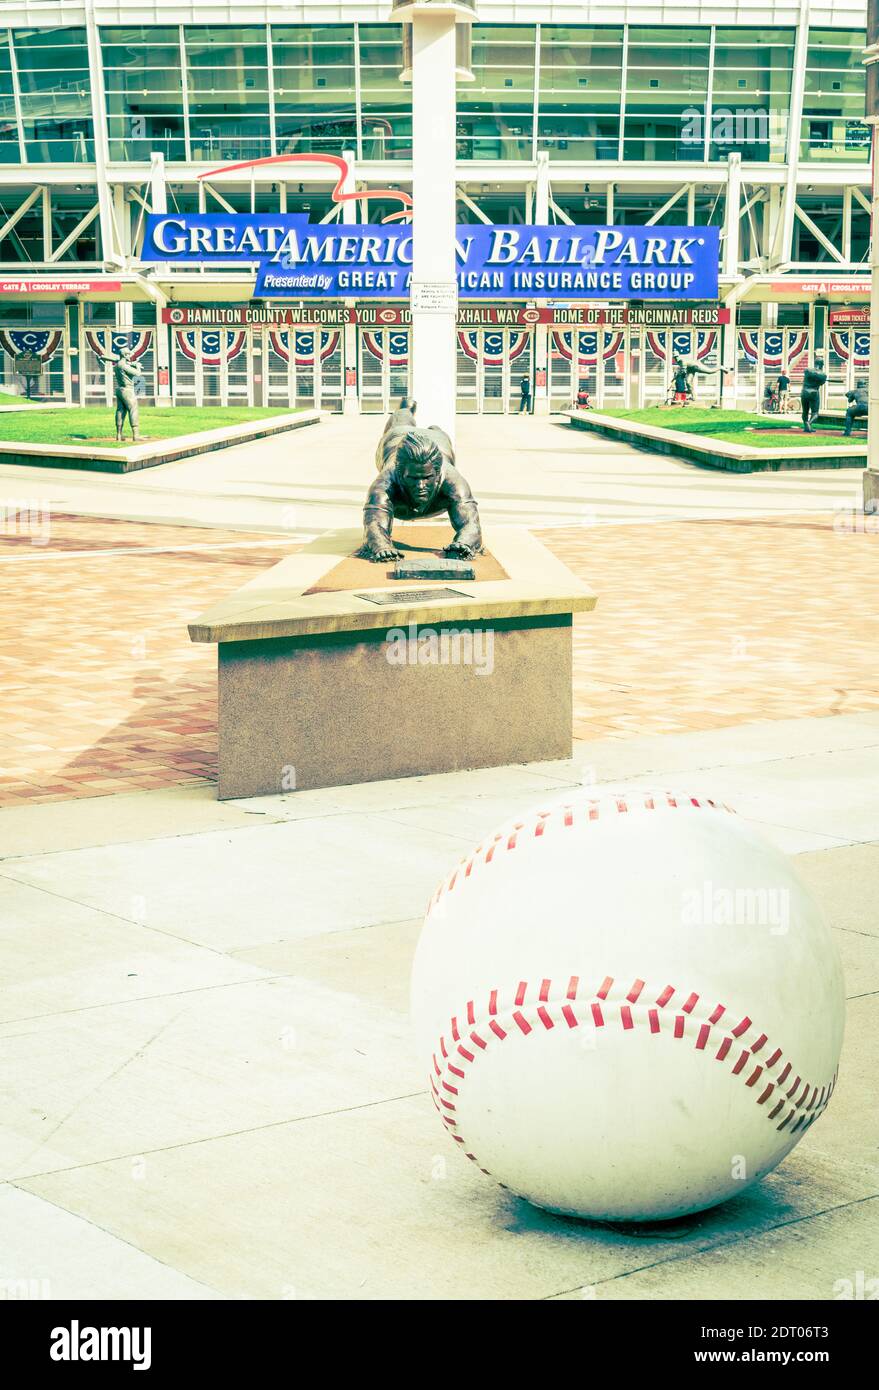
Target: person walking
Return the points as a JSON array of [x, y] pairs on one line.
[[525, 402], [783, 389], [810, 396], [857, 405]]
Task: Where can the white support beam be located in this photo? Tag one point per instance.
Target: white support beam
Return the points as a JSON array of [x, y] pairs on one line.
[[20, 211], [817, 233], [351, 213], [540, 363], [758, 197], [72, 236], [559, 212], [669, 203], [111, 250], [138, 234], [543, 196], [609, 214], [732, 215], [860, 197], [433, 218], [469, 203], [47, 220], [709, 98], [209, 188], [783, 253], [847, 223]]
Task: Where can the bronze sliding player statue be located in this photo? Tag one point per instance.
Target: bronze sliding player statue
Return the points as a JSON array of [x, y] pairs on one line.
[[417, 478]]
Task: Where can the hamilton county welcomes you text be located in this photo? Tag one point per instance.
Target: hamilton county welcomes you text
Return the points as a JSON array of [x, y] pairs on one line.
[[297, 258]]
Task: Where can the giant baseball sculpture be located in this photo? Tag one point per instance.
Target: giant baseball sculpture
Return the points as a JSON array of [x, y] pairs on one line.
[[627, 1005]]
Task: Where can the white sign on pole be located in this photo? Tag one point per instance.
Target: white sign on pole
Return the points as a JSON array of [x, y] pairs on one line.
[[434, 297]]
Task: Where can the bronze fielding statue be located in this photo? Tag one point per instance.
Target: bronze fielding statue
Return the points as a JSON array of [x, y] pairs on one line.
[[125, 373], [417, 477]]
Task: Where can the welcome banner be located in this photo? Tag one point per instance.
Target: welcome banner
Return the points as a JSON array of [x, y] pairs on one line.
[[297, 258]]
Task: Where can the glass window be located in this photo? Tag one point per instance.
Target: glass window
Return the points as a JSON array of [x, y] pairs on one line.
[[834, 100], [580, 85], [315, 109], [752, 87], [666, 92], [53, 74], [227, 85], [386, 102], [496, 111], [144, 92]]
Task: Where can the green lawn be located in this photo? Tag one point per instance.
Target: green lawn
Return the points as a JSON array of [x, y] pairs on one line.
[[739, 427], [96, 425], [7, 398]]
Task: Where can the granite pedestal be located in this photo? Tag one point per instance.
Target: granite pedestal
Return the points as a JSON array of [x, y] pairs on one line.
[[321, 686]]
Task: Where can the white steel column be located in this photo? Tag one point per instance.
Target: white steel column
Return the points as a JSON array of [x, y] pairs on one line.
[[733, 214], [158, 197], [350, 401], [782, 254], [109, 250], [730, 260], [434, 283], [541, 331], [871, 58]]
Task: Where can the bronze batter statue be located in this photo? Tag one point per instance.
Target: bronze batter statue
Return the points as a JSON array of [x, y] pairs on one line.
[[125, 373], [418, 478]]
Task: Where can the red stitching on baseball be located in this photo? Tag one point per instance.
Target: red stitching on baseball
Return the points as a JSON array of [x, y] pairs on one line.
[[610, 805], [798, 1111]]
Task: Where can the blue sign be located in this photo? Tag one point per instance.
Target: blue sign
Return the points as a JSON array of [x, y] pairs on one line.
[[299, 259]]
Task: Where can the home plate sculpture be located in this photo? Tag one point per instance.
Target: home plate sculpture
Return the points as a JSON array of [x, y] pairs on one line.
[[628, 1006]]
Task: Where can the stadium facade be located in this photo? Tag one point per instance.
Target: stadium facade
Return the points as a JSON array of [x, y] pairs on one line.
[[746, 117]]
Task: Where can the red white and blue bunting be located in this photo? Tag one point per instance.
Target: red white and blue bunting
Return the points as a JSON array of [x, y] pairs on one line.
[[395, 341], [217, 344], [587, 345], [44, 342], [303, 344], [139, 340], [859, 349], [773, 345], [694, 342], [493, 345]]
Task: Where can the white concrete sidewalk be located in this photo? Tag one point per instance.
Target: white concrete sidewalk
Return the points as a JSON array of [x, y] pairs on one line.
[[524, 471], [210, 1088]]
